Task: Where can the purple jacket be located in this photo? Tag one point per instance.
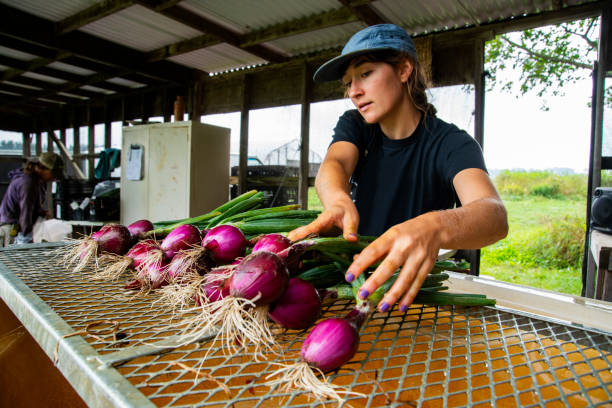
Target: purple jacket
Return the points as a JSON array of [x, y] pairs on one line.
[[24, 200]]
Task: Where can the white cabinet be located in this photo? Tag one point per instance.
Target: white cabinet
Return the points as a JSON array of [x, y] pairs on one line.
[[184, 170]]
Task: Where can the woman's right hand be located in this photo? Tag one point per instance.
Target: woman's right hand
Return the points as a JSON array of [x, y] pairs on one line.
[[342, 214]]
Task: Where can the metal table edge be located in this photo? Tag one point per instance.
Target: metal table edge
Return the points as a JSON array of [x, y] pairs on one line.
[[588, 314], [99, 385]]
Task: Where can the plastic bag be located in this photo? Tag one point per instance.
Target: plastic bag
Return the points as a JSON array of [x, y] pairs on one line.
[[52, 230]]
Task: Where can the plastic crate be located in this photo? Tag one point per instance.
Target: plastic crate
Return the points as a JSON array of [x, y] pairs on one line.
[[274, 196]]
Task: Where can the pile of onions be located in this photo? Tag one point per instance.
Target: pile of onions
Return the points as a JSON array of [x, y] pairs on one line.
[[221, 245], [257, 281]]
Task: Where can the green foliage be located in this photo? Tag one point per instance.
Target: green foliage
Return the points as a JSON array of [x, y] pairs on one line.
[[558, 243], [548, 58], [541, 183], [546, 215], [313, 200]]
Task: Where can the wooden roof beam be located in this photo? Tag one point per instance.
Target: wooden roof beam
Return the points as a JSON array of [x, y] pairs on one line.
[[342, 15], [364, 11], [206, 25], [28, 27], [96, 12]]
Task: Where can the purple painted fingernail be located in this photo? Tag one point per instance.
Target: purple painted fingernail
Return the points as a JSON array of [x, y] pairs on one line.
[[384, 307], [363, 293], [350, 277], [403, 308]]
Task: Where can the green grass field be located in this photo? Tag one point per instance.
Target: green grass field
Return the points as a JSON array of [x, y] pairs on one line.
[[545, 242], [532, 254]]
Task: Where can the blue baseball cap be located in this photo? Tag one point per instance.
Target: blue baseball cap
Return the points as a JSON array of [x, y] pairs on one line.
[[373, 38]]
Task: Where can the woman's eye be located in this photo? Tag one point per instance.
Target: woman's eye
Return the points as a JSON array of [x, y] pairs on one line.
[[365, 74], [347, 85]]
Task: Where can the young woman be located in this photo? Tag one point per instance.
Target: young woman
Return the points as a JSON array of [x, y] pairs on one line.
[[24, 199], [395, 170]]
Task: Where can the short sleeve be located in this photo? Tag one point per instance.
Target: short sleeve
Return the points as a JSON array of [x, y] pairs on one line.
[[460, 152], [350, 128]]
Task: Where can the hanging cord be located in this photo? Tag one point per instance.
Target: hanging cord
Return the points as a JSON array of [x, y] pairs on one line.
[[91, 331]]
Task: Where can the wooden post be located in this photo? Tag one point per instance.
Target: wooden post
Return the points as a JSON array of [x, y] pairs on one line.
[[38, 143], [480, 87], [244, 135], [50, 141], [76, 138], [166, 107], [107, 128], [602, 65], [91, 144], [305, 137], [26, 137], [479, 105]]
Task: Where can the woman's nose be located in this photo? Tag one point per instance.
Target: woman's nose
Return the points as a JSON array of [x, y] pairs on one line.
[[354, 90]]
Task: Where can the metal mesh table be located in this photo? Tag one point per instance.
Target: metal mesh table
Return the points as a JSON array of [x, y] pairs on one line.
[[429, 356]]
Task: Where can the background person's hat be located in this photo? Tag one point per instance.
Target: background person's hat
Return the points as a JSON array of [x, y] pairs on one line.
[[53, 162], [374, 38]]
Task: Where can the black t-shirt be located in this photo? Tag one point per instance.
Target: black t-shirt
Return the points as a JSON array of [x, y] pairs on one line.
[[396, 180]]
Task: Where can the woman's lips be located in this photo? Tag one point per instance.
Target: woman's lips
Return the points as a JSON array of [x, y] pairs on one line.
[[364, 106]]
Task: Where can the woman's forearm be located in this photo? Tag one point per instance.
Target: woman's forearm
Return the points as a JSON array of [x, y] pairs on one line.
[[332, 183], [472, 226]]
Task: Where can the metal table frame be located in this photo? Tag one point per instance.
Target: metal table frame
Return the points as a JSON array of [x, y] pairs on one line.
[[95, 378]]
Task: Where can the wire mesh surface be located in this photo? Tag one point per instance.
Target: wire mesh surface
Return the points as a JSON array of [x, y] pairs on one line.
[[429, 356]]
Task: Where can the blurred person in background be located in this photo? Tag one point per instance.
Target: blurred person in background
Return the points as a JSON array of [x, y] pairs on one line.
[[24, 200]]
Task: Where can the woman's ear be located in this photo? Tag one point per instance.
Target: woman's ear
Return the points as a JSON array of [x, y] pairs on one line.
[[405, 70]]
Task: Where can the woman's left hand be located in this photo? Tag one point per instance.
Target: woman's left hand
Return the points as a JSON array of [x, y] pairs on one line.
[[412, 246]]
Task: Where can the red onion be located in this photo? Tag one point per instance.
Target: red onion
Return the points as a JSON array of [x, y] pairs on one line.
[[113, 238], [185, 262], [333, 342], [225, 243], [298, 307], [272, 243], [261, 277], [182, 237], [138, 227], [138, 253], [215, 286], [151, 275]]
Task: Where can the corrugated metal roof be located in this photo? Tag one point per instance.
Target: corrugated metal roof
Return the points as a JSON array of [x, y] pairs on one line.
[[244, 16], [62, 66], [439, 15], [45, 78], [125, 82], [96, 89], [327, 38], [140, 28], [9, 52], [72, 95], [218, 58], [36, 88], [54, 10]]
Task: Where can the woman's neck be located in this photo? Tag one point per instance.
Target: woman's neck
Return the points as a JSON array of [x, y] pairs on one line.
[[402, 123]]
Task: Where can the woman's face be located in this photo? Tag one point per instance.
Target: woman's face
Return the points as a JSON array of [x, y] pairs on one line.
[[45, 174], [376, 88]]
